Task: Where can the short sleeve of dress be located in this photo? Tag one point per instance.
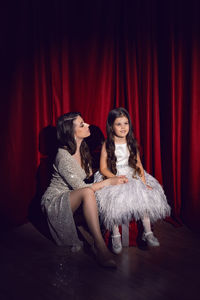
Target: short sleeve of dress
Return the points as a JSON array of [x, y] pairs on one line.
[[70, 171]]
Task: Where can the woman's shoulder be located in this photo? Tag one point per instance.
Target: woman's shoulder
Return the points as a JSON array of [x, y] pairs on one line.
[[63, 153], [65, 160]]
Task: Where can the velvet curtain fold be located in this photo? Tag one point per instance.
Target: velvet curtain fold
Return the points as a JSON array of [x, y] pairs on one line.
[[60, 56]]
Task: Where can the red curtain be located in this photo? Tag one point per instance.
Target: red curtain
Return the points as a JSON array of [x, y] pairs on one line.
[[91, 56]]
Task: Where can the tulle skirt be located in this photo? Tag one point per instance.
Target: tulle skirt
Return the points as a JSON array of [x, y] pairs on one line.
[[119, 204]]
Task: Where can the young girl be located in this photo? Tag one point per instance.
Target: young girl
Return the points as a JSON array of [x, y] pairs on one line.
[[142, 197]]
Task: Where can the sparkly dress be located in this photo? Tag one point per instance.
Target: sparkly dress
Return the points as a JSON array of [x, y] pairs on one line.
[[119, 204], [68, 175]]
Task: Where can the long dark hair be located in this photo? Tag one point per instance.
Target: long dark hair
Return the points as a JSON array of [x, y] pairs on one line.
[[131, 141], [66, 140]]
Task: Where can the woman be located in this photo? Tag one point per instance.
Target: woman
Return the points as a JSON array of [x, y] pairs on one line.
[[67, 190]]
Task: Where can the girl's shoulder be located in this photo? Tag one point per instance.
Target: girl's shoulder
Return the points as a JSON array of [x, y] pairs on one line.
[[103, 147]]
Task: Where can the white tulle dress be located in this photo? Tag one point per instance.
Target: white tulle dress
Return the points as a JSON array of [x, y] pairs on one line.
[[119, 204]]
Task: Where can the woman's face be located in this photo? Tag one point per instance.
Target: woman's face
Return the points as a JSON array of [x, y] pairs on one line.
[[81, 129]]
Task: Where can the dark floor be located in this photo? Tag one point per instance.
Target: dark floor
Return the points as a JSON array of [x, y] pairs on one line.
[[32, 267]]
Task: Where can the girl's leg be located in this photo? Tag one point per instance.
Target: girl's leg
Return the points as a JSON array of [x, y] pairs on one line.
[[116, 240], [90, 211], [115, 230], [148, 234], [146, 224]]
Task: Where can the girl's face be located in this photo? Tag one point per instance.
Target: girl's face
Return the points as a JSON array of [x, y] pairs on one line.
[[121, 127], [81, 129]]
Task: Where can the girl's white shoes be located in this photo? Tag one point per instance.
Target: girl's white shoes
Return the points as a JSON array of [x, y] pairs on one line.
[[151, 240], [149, 237], [116, 243]]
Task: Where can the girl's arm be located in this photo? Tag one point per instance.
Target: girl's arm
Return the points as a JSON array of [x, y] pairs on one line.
[[139, 164], [103, 163]]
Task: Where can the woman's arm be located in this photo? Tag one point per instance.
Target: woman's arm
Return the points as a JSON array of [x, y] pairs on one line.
[[110, 181], [103, 163], [68, 169]]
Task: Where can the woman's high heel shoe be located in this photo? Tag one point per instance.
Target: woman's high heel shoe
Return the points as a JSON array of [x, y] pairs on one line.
[[104, 258], [107, 262]]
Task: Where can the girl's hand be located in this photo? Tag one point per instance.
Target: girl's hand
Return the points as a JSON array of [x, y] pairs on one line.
[[125, 179], [117, 180], [149, 187]]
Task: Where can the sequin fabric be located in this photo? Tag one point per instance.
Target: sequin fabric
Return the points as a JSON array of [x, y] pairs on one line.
[[67, 176]]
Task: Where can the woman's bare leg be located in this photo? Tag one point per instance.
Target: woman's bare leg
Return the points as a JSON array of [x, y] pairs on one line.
[[90, 211]]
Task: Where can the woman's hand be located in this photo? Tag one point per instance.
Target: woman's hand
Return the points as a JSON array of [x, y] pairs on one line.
[[118, 180], [109, 181]]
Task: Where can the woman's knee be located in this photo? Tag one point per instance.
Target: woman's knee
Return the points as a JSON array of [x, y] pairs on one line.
[[89, 197], [88, 192]]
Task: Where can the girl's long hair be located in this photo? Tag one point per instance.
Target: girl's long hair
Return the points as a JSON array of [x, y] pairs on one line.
[[131, 141], [66, 140]]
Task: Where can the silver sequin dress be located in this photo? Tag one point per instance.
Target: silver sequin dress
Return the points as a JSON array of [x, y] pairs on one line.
[[68, 175], [122, 203]]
